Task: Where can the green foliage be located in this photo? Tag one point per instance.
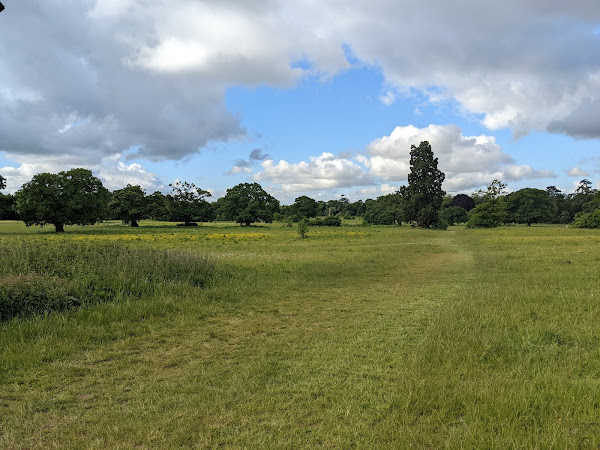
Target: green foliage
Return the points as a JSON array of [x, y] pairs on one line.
[[8, 207], [529, 206], [424, 193], [158, 207], [41, 277], [587, 220], [304, 207], [329, 221], [129, 204], [2, 182], [491, 207], [488, 215], [188, 203], [454, 215], [248, 203], [74, 197], [303, 228], [386, 210]]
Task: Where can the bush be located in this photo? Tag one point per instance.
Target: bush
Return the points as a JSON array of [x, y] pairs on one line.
[[329, 221], [303, 228], [587, 220]]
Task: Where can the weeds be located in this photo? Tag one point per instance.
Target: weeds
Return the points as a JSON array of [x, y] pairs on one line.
[[39, 276]]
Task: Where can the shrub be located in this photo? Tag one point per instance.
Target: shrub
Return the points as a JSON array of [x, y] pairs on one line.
[[587, 220], [329, 221]]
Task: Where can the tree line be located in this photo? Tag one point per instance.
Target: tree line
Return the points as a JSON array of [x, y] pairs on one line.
[[76, 197]]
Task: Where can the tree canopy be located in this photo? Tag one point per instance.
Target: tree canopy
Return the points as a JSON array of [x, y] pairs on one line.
[[129, 204], [2, 182], [248, 203], [188, 203], [529, 206], [74, 197]]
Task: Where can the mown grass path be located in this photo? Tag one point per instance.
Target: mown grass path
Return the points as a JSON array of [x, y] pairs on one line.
[[382, 337]]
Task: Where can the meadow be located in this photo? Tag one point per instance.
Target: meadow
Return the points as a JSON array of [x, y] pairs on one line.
[[357, 336]]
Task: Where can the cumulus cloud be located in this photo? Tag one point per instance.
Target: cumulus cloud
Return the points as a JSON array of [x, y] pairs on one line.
[[115, 174], [577, 172], [153, 74], [467, 161], [325, 171], [112, 171]]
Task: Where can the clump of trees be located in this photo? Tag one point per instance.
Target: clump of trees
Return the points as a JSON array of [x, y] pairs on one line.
[[76, 197]]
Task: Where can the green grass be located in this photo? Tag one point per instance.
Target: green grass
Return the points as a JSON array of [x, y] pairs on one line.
[[355, 336]]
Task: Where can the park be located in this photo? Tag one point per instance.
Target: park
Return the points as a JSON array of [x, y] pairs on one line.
[[356, 335]]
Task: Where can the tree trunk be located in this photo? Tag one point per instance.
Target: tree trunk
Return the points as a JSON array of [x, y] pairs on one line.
[[60, 228], [134, 223]]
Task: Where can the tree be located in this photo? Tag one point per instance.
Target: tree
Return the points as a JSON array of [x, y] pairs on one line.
[[158, 207], [424, 192], [305, 207], [529, 206], [386, 210], [2, 182], [303, 228], [247, 203], [464, 201], [453, 215], [129, 204], [188, 203], [491, 209], [74, 197], [8, 207], [585, 187]]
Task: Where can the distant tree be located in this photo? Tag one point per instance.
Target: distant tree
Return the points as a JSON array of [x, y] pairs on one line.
[[454, 215], [248, 203], [464, 201], [129, 204], [491, 209], [584, 187], [305, 206], [8, 207], [158, 207], [386, 210], [188, 203], [424, 193], [74, 197], [2, 182], [587, 220], [529, 206]]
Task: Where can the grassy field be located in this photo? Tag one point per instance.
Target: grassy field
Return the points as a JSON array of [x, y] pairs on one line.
[[379, 337]]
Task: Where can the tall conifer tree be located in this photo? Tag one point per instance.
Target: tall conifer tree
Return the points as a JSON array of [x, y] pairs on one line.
[[424, 193]]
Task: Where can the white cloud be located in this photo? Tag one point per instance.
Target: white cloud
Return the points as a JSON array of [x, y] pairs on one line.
[[321, 172], [239, 169], [388, 97], [113, 172], [577, 172], [467, 161]]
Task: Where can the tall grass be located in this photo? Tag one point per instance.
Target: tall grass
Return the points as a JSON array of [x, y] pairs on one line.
[[42, 276]]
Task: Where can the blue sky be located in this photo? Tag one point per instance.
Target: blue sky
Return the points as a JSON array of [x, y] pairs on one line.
[[304, 98]]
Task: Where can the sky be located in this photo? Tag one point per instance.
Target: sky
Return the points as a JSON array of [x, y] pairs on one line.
[[304, 97]]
